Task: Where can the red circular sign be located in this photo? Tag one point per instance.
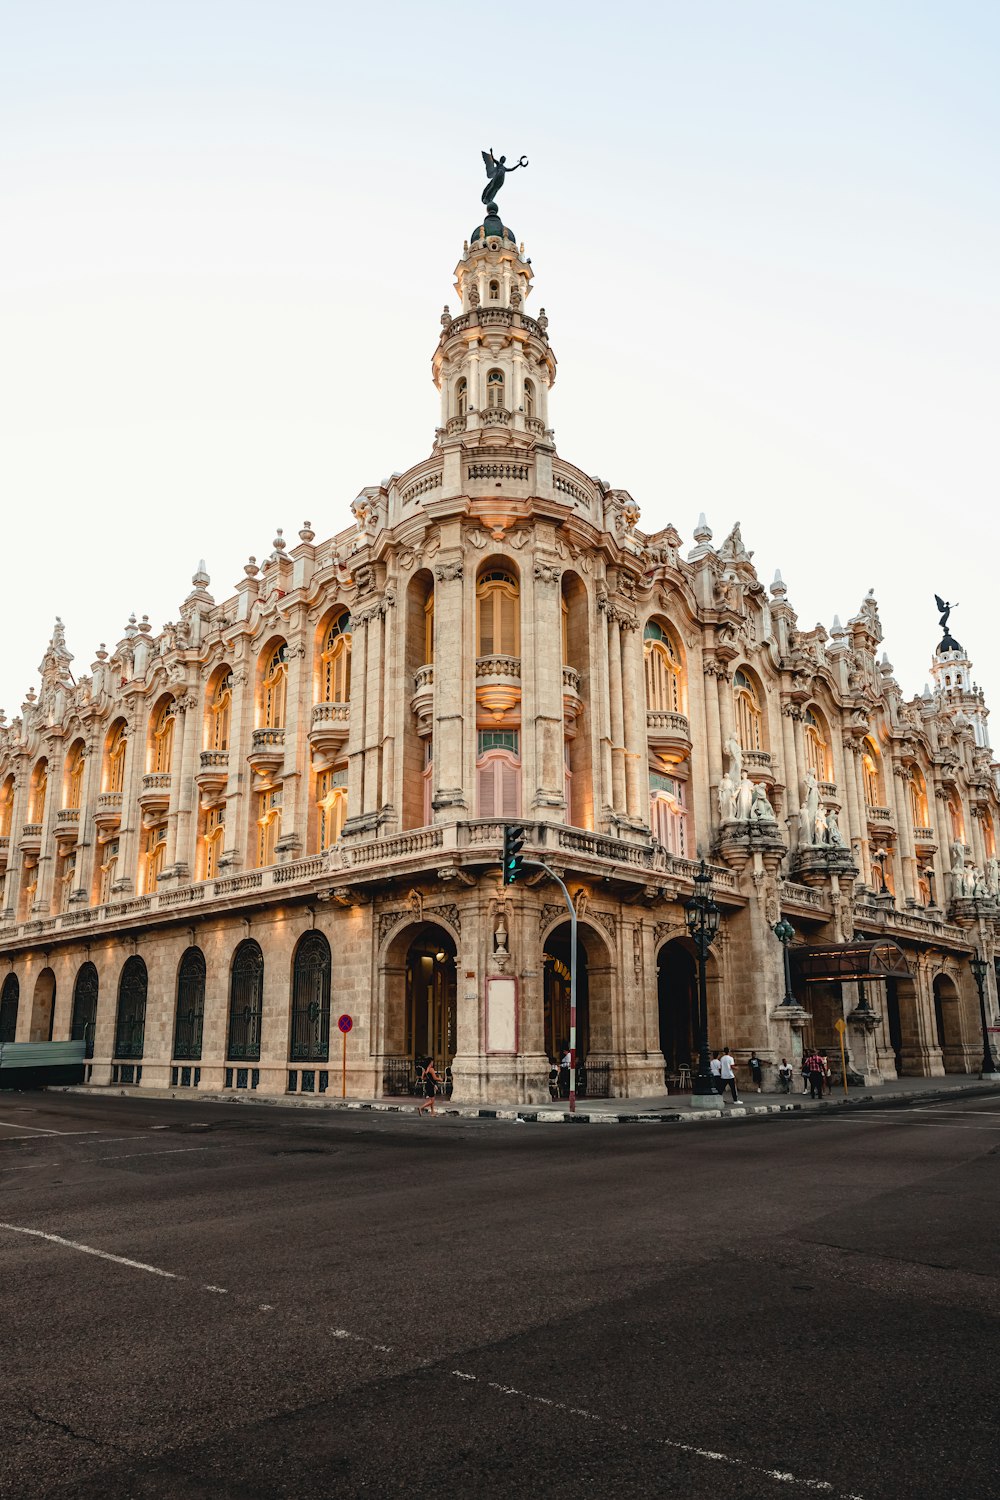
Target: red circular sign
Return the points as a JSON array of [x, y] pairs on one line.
[[345, 1023]]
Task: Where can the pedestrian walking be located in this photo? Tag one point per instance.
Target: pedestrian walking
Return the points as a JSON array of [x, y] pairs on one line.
[[727, 1068], [431, 1079], [757, 1072], [553, 1080], [805, 1070], [785, 1076], [827, 1074], [715, 1068], [815, 1064], [564, 1070]]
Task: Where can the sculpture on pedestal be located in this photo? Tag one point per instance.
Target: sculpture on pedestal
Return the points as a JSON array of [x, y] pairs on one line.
[[760, 807], [833, 833], [496, 171], [734, 750], [727, 799], [744, 799]]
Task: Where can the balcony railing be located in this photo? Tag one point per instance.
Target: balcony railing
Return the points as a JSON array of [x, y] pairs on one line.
[[498, 666], [759, 759], [267, 739], [67, 817], [326, 714], [423, 677], [877, 814], [214, 760], [924, 835]]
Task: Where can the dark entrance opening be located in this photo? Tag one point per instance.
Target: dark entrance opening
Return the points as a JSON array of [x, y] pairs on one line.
[[677, 996], [556, 960], [431, 988]]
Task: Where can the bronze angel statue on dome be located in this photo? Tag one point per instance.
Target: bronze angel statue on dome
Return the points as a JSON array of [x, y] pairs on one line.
[[496, 171], [945, 609]]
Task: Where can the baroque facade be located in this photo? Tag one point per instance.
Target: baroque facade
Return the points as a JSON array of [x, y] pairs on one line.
[[288, 805]]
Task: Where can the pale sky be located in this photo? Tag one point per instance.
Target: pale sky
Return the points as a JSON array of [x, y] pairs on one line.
[[766, 236]]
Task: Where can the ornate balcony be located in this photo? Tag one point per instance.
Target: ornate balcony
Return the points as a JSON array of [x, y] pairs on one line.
[[757, 760], [31, 837], [213, 772], [498, 684], [331, 724], [155, 791], [267, 751], [67, 826], [924, 838], [572, 702], [108, 813], [495, 416], [878, 816], [669, 734], [422, 702]]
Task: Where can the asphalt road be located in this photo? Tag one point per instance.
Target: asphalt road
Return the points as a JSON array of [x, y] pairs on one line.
[[294, 1303]]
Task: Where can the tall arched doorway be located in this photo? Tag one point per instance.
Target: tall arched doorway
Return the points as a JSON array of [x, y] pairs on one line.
[[556, 962], [84, 1020], [189, 1020], [948, 1024], [43, 1007], [130, 1024], [9, 998], [246, 1003], [677, 1003], [310, 1039], [431, 994]]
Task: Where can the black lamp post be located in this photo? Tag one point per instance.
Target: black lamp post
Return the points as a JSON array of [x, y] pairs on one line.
[[784, 932], [979, 968], [702, 917]]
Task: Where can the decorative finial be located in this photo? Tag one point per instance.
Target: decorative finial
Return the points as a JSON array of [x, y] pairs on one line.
[[279, 544], [778, 588], [130, 628], [102, 652], [144, 625], [307, 533], [200, 578], [446, 316], [250, 567]]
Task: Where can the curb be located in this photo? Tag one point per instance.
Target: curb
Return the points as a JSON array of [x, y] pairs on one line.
[[738, 1113]]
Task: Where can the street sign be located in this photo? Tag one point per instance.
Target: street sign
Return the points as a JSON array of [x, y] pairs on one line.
[[840, 1025], [345, 1023]]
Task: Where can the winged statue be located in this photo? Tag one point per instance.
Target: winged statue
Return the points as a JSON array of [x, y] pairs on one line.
[[496, 171], [945, 610]]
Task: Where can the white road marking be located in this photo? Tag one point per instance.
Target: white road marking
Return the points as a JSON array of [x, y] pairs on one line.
[[223, 1290], [927, 1109], [782, 1476], [171, 1151], [120, 1260], [44, 1130]]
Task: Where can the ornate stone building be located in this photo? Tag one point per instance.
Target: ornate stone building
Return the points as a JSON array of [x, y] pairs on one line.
[[288, 804]]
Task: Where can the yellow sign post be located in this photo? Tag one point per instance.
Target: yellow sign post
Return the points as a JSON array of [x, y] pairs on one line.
[[841, 1026]]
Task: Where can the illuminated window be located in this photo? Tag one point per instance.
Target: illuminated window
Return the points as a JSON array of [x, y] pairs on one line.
[[268, 825], [869, 774], [499, 625], [6, 807], [817, 749], [29, 884], [336, 676], [74, 777], [498, 773], [956, 820], [213, 839], [428, 774], [529, 398], [39, 786], [462, 398], [220, 713], [65, 880], [749, 719], [272, 691], [154, 849], [495, 390], [162, 744], [668, 816], [918, 801], [114, 759], [107, 871], [664, 672], [331, 805]]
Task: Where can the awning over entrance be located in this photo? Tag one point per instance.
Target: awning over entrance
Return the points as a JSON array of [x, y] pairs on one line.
[[879, 958]]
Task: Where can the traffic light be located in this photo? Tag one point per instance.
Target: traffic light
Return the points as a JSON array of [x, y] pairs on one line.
[[513, 860]]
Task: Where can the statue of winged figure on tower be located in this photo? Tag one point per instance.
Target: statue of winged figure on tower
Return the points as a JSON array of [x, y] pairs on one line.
[[945, 610], [496, 171]]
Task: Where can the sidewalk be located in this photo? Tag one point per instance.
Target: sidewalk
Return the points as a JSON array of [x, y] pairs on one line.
[[666, 1109]]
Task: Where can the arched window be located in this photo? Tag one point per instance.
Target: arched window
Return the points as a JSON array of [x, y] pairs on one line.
[[39, 786], [499, 623], [246, 1002], [664, 670], [529, 398], [9, 998], [817, 746], [749, 719], [108, 871], [268, 825], [498, 773], [189, 1021], [918, 800], [152, 859], [311, 1000], [114, 758], [668, 817], [272, 689], [494, 291], [65, 878], [6, 807], [213, 839], [336, 677], [84, 1020], [331, 804], [220, 713], [130, 1024], [869, 773], [462, 398], [495, 390], [74, 776], [161, 745]]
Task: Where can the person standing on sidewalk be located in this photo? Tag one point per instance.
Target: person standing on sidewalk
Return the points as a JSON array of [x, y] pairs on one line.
[[816, 1074], [727, 1067], [756, 1072], [715, 1068], [805, 1070]]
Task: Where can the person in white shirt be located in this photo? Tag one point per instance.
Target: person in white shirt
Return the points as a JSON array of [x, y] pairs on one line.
[[727, 1064], [785, 1075], [715, 1068]]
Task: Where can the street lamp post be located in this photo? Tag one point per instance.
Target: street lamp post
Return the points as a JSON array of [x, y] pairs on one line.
[[979, 968], [702, 916], [784, 932]]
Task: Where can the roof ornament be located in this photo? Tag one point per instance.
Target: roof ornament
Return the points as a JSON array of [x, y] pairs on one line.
[[948, 641], [496, 171]]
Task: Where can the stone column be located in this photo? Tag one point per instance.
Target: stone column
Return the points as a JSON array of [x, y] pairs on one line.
[[239, 785], [452, 650], [395, 700], [47, 854], [857, 821], [294, 774], [713, 724], [131, 825], [793, 786], [86, 838], [904, 825], [617, 713], [473, 377], [373, 710], [636, 745], [179, 797], [15, 859], [542, 679]]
